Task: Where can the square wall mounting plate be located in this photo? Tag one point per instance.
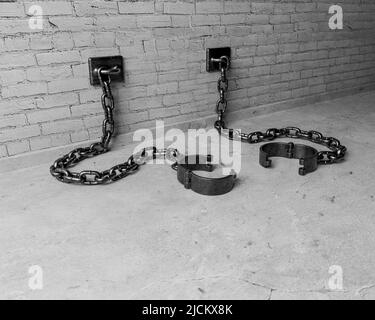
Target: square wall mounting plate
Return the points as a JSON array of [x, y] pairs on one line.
[[216, 53], [108, 63]]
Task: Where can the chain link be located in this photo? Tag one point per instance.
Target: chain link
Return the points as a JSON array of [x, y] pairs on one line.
[[60, 168], [337, 151], [222, 87]]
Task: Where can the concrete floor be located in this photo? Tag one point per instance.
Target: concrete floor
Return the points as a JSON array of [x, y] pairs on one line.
[[274, 237]]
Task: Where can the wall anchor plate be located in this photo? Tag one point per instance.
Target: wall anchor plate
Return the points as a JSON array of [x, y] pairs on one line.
[[216, 53], [108, 63]]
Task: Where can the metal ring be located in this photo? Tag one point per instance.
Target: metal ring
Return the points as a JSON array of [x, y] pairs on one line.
[[114, 70]]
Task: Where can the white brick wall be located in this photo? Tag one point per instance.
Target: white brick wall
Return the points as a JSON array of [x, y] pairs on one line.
[[281, 50]]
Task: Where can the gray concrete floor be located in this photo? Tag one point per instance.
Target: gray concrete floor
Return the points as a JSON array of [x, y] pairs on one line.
[[274, 237]]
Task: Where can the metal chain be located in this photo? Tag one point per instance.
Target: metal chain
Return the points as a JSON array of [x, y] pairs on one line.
[[337, 151], [60, 168], [222, 87]]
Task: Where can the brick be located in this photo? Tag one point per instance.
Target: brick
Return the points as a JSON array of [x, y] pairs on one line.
[[266, 50], [135, 117], [13, 121], [258, 19], [308, 46], [262, 8], [176, 99], [16, 44], [13, 27], [104, 39], [12, 77], [250, 40], [62, 41], [68, 85], [279, 19], [242, 63], [73, 24], [11, 10], [246, 51], [178, 8], [48, 115], [57, 100], [284, 8], [154, 21], [98, 52], [149, 46], [180, 21], [61, 139], [234, 19], [290, 76], [316, 81], [282, 58], [58, 57], [262, 70], [164, 112], [62, 126], [19, 133], [145, 103], [14, 105], [284, 28], [289, 48], [134, 52], [3, 151], [48, 73], [116, 22], [89, 8], [80, 70], [189, 85], [16, 60], [305, 7], [205, 20], [38, 42], [288, 37], [137, 65], [93, 121], [86, 109], [204, 7], [160, 89], [52, 8], [237, 6], [39, 143], [139, 7], [91, 95], [300, 92], [280, 68], [302, 56], [142, 79], [83, 39], [79, 136], [24, 90], [262, 29], [257, 90], [264, 60], [18, 147]]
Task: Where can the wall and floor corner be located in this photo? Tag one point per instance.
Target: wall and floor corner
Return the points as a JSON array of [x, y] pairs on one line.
[[284, 54]]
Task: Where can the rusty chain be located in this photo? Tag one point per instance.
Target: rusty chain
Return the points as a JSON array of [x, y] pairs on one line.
[[337, 151], [60, 168]]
